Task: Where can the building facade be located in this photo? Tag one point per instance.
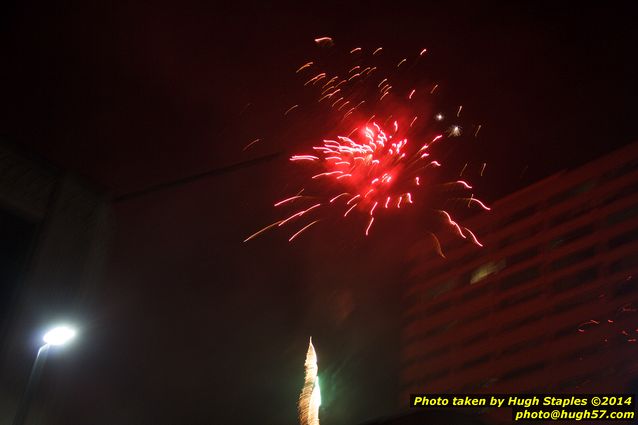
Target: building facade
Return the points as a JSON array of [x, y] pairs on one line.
[[53, 235], [547, 305]]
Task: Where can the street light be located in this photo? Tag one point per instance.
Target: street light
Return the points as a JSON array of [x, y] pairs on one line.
[[57, 336]]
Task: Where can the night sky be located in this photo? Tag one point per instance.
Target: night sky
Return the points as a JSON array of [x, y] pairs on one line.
[[194, 327]]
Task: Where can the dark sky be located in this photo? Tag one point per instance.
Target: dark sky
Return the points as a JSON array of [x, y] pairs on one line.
[[192, 324]]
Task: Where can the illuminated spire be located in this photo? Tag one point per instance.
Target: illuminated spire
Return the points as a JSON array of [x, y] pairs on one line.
[[310, 397]]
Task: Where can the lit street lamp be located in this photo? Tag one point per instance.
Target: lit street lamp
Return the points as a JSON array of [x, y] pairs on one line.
[[58, 336]]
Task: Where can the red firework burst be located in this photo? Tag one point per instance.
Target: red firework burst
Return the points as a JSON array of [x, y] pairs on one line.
[[372, 171]]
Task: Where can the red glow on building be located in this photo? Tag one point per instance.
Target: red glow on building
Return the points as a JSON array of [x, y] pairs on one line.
[[548, 305]]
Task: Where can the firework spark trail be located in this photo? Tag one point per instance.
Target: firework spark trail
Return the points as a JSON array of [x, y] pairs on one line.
[[259, 232], [301, 230], [324, 41], [304, 66], [377, 168], [621, 327], [292, 198], [289, 110], [310, 397], [250, 144]]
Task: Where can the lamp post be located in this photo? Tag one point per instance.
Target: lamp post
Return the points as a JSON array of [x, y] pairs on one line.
[[58, 336]]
